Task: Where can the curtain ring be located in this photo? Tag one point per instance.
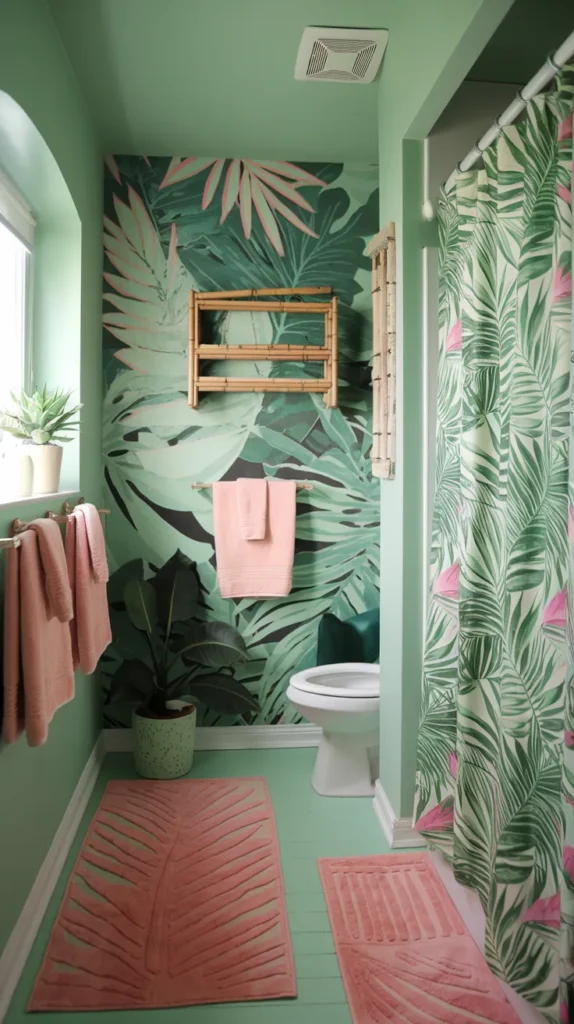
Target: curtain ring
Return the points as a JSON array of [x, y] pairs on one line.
[[551, 63], [520, 97]]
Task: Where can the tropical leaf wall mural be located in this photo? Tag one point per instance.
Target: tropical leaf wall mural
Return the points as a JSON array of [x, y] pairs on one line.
[[205, 223]]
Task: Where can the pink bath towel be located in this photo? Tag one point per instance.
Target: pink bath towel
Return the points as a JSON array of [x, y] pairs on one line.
[[38, 668], [252, 508], [88, 572], [255, 568]]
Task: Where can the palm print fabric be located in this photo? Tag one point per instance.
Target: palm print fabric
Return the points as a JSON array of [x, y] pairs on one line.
[[213, 224], [495, 780]]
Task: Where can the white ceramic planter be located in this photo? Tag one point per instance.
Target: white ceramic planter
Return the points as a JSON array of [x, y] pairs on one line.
[[47, 460], [16, 471]]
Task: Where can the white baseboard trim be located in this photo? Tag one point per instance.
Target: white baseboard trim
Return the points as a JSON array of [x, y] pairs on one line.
[[399, 832], [17, 949], [233, 737]]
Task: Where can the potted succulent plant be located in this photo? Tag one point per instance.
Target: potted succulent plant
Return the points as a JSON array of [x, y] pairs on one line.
[[182, 660], [41, 420]]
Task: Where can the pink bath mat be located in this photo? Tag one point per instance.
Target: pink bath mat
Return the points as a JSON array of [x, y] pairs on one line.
[[404, 953], [176, 899]]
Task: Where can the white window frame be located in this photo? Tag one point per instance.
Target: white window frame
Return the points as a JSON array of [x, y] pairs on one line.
[[17, 217]]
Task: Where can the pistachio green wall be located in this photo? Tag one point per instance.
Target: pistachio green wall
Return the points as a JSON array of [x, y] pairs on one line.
[[427, 58], [36, 784]]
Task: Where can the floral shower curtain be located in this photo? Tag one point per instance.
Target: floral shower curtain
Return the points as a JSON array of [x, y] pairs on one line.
[[495, 779]]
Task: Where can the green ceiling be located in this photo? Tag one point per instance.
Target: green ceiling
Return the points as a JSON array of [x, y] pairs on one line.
[[217, 77]]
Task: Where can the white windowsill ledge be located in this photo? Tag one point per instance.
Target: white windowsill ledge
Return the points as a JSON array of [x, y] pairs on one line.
[[36, 499]]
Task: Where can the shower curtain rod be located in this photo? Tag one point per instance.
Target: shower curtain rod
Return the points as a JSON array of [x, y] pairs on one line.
[[547, 72]]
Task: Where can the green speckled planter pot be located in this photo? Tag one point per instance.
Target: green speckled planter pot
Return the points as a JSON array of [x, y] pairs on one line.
[[163, 747]]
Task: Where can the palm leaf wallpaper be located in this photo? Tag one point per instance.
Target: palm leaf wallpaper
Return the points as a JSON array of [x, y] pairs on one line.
[[495, 781], [176, 224]]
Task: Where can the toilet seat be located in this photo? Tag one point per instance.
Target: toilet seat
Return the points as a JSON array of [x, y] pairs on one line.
[[349, 680]]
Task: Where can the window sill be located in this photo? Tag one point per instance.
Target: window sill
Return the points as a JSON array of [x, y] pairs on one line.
[[38, 499]]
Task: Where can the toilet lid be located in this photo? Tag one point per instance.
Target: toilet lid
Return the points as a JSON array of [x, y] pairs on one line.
[[353, 679]]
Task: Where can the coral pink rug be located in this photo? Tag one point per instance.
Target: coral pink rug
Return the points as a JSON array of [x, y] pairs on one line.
[[176, 899], [404, 953]]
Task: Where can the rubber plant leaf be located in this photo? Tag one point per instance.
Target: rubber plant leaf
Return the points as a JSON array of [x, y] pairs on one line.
[[141, 604], [223, 694], [211, 643], [133, 570], [177, 589], [132, 681]]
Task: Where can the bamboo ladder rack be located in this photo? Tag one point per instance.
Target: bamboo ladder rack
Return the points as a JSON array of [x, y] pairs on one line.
[[264, 300], [382, 252]]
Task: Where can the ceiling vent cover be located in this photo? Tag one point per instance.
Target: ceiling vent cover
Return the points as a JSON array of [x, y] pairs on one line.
[[340, 54]]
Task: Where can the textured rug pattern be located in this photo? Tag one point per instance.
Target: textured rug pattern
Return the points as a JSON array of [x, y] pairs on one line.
[[176, 899], [404, 952]]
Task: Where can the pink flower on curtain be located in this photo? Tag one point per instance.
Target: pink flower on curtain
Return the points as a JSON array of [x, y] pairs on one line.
[[562, 284], [565, 128], [446, 585], [564, 1014], [544, 911], [565, 194], [555, 611], [439, 819], [568, 860], [454, 338], [453, 764], [568, 738]]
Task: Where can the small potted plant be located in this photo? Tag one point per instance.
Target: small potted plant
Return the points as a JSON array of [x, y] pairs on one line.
[[182, 660], [41, 420]]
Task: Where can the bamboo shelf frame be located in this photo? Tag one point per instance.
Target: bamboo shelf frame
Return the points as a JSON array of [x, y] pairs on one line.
[[264, 300], [382, 251]]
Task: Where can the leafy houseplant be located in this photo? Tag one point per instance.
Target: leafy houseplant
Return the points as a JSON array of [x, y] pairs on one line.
[[41, 420], [184, 660]]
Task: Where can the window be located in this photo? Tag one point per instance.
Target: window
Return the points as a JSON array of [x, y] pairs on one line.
[[16, 241]]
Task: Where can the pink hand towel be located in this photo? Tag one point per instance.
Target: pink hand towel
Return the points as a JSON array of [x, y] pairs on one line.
[[38, 668], [96, 541], [255, 568], [252, 507], [88, 571]]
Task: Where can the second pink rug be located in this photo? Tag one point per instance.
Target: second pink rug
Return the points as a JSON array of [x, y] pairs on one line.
[[176, 899], [404, 952]]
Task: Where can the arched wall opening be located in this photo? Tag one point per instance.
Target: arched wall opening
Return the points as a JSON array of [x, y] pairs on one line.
[[57, 261]]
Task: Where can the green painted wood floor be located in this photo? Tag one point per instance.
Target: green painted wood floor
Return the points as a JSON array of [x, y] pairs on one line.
[[309, 826]]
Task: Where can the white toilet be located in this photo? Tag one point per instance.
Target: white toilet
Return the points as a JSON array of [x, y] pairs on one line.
[[344, 701]]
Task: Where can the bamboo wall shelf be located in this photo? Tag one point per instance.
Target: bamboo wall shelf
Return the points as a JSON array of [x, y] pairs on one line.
[[264, 300]]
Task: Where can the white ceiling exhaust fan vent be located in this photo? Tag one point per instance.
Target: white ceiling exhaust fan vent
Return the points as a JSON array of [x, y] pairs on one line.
[[340, 54]]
